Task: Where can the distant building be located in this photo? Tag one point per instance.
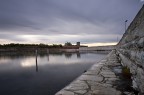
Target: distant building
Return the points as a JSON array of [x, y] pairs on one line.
[[78, 44]]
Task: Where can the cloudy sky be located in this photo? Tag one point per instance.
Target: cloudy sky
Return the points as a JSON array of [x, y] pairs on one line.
[[92, 22]]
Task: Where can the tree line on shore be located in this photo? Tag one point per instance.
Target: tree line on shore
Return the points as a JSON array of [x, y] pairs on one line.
[[41, 45]]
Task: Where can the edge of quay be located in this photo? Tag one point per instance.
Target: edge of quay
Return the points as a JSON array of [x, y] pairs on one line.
[[101, 79]]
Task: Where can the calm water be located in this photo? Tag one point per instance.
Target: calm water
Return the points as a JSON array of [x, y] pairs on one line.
[[24, 74]]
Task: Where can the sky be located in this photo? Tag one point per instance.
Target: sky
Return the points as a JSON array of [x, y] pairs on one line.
[[91, 22]]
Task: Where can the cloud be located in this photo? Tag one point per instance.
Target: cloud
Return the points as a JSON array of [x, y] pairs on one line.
[[58, 21], [16, 23], [78, 27]]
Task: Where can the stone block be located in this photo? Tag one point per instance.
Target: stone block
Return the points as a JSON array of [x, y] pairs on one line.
[[92, 72], [140, 79], [140, 58], [78, 85], [109, 74], [80, 92], [64, 92], [133, 54], [106, 91], [90, 78], [141, 43]]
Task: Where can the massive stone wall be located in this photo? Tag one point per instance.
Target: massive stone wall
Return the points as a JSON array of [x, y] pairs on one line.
[[131, 50], [135, 30]]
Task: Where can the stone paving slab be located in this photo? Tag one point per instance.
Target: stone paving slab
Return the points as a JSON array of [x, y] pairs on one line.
[[98, 80]]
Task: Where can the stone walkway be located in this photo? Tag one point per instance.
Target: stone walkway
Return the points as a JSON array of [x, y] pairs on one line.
[[100, 79]]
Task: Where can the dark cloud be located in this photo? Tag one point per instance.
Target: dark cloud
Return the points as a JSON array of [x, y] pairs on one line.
[[71, 17], [8, 23]]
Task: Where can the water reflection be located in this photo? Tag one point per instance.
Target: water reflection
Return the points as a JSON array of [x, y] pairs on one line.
[[28, 62], [54, 71], [78, 55], [54, 58], [36, 64], [68, 55]]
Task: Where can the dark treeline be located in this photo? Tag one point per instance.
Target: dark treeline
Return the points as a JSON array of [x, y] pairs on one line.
[[28, 47], [32, 47], [16, 45]]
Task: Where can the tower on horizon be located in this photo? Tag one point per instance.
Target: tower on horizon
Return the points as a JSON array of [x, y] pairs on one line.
[[78, 44]]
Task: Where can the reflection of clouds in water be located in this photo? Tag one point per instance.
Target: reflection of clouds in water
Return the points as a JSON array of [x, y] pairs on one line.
[[28, 62], [74, 59], [9, 63], [64, 60], [31, 61], [19, 71], [60, 60], [4, 60]]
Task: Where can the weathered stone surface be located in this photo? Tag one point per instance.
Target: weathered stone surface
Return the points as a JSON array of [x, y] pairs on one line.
[[96, 67], [141, 42], [92, 72], [77, 86], [107, 72], [131, 48], [108, 76], [106, 91], [112, 79], [64, 92], [80, 91], [140, 79], [98, 80]]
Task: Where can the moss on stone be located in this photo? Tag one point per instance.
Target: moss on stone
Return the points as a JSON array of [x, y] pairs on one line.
[[126, 72]]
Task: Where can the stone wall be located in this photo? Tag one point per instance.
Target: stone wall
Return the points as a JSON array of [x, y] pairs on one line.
[[131, 50]]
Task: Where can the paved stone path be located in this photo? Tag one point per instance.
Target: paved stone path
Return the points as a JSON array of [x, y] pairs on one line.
[[98, 80]]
